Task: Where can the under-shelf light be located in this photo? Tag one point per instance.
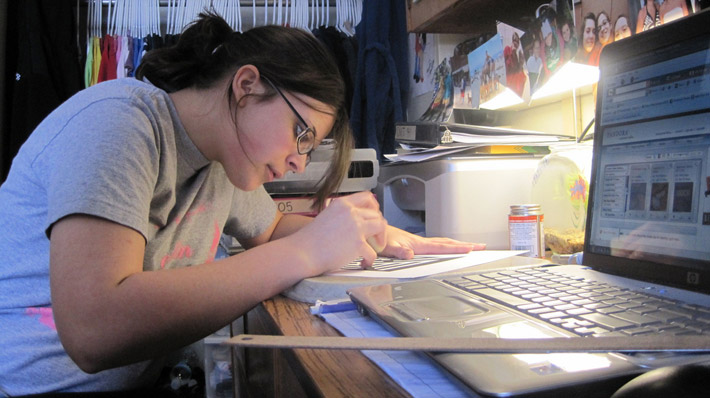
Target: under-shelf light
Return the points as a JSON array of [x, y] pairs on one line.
[[570, 76], [504, 99]]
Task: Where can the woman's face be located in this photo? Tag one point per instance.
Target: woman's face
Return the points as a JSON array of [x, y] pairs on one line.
[[266, 147], [604, 28], [566, 33], [588, 36], [621, 29]]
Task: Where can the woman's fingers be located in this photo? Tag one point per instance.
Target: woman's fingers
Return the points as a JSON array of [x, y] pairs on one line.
[[350, 227]]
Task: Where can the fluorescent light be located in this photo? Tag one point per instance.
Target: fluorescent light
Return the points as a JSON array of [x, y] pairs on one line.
[[571, 75], [506, 98]]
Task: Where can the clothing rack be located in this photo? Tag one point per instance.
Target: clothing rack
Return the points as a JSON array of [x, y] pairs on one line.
[[243, 3], [143, 17], [115, 28]]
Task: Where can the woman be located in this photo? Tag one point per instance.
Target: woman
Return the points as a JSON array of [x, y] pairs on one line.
[[621, 28], [671, 10], [590, 45], [113, 209], [514, 60], [569, 40], [649, 16], [604, 33], [534, 65]]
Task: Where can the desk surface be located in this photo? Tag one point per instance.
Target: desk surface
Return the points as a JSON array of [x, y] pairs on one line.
[[327, 373]]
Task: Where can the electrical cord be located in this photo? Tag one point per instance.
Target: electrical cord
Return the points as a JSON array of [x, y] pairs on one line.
[[586, 129]]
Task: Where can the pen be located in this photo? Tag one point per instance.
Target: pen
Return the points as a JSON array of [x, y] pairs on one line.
[[324, 307]]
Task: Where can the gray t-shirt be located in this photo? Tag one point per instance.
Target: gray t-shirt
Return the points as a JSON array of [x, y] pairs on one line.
[[116, 150]]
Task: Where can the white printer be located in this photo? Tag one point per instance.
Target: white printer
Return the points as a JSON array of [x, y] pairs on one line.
[[459, 197], [362, 174]]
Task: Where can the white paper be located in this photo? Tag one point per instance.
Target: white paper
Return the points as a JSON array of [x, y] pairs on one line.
[[422, 155], [448, 263]]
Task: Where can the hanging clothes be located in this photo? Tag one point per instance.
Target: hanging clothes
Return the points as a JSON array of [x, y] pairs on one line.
[[128, 64], [89, 63], [107, 68], [119, 57], [344, 50], [43, 59], [93, 62], [123, 59], [381, 84], [137, 55]]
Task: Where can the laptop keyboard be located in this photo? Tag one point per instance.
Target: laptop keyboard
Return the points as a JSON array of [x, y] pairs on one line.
[[585, 307]]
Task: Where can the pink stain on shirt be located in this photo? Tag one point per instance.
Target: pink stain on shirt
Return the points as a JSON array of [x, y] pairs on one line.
[[215, 243], [199, 209], [44, 315], [179, 251]]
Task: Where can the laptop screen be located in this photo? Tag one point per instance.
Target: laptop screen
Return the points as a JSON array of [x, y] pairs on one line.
[[650, 197]]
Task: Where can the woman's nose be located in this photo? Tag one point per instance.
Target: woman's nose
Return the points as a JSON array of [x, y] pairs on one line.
[[297, 163]]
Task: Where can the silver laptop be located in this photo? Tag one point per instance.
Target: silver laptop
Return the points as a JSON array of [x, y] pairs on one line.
[[647, 246]]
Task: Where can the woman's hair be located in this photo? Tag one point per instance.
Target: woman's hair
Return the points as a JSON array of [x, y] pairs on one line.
[[605, 14], [293, 59]]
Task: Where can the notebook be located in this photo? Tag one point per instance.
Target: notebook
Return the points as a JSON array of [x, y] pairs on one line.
[[647, 240]]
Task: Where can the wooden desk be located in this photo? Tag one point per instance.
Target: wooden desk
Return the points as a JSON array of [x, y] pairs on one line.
[[305, 372]]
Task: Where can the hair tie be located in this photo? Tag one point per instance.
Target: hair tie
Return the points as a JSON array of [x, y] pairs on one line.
[[231, 36]]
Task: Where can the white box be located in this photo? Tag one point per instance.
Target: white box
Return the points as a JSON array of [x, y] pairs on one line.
[[465, 198]]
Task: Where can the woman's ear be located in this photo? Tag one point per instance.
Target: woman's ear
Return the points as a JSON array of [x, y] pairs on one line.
[[246, 81]]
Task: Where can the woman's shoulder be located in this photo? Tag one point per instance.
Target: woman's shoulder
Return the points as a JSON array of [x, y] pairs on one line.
[[119, 98], [123, 88]]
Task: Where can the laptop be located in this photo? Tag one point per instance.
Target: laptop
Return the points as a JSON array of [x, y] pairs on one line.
[[647, 240]]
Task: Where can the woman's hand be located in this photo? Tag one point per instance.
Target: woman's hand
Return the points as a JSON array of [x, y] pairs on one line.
[[404, 245], [350, 227]]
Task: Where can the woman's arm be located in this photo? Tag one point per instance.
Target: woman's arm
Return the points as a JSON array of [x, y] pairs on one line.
[[109, 312]]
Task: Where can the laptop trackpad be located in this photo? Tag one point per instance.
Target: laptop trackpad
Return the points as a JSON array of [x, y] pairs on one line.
[[438, 308]]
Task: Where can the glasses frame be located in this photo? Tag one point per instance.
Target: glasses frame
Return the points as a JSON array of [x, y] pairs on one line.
[[305, 128]]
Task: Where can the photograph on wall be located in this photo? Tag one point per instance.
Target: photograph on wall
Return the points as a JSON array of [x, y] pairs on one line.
[[647, 14], [486, 66], [422, 49], [550, 41], [442, 104], [460, 74], [516, 75], [604, 21]]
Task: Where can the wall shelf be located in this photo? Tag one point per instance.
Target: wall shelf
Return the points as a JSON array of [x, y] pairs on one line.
[[467, 16]]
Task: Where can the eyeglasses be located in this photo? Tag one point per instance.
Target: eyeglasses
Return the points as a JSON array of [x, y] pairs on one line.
[[305, 136]]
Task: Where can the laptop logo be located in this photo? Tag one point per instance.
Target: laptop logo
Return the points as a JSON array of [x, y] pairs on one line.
[[693, 278]]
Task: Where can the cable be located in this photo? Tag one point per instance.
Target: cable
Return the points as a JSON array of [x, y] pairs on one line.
[[581, 137]]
